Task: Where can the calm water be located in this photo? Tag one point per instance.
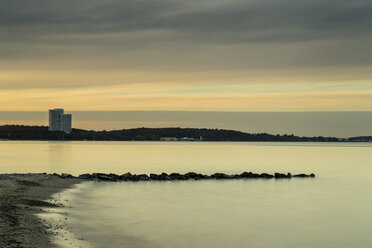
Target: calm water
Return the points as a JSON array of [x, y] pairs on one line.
[[332, 210]]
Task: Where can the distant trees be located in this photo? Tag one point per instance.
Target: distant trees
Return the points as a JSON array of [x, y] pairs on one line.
[[20, 132]]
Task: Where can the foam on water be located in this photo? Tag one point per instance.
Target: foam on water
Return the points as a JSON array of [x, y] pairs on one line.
[[56, 220]]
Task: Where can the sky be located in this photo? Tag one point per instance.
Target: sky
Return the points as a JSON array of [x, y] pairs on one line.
[[336, 124], [195, 55]]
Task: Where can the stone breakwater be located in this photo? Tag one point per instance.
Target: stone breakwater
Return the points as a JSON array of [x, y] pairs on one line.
[[181, 177]]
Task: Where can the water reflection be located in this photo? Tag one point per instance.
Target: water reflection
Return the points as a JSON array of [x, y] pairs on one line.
[[257, 213], [205, 157], [332, 210]]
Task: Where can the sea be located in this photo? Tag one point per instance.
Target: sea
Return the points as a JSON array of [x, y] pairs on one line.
[[332, 210]]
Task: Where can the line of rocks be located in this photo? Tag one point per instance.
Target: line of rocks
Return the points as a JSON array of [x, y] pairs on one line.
[[178, 177]]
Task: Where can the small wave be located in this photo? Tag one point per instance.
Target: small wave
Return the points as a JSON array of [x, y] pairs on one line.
[[56, 220]]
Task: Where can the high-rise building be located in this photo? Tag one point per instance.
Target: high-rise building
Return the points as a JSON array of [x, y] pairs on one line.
[[55, 119], [59, 121], [66, 123]]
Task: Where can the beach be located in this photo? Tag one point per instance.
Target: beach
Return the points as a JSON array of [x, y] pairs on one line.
[[22, 196]]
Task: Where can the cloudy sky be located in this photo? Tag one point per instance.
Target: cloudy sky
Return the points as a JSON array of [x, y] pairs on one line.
[[195, 55], [338, 124], [210, 55]]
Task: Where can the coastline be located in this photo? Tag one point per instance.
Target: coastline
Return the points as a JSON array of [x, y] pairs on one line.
[[25, 196], [22, 197], [22, 132]]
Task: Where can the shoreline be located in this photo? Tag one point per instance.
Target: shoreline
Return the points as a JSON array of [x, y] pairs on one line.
[[25, 196], [195, 141], [22, 132], [22, 197]]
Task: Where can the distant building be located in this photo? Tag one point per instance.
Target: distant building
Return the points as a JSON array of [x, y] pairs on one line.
[[180, 139], [59, 121], [186, 139], [168, 139]]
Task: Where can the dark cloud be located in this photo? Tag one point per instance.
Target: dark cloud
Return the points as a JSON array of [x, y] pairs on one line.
[[245, 34], [267, 20]]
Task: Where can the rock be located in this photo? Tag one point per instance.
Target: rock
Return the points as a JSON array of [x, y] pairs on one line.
[[246, 175], [165, 177], [300, 175], [95, 175], [195, 176], [266, 176], [184, 177], [105, 177], [134, 178], [280, 175], [191, 174], [129, 177], [154, 176], [143, 177], [200, 176], [249, 175], [116, 177], [65, 175], [175, 176], [255, 175], [84, 176], [221, 176], [304, 175], [126, 176]]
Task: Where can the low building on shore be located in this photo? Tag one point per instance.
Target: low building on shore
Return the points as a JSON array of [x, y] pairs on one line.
[[168, 139], [180, 139]]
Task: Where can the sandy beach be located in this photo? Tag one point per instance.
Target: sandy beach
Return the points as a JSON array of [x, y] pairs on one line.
[[22, 196]]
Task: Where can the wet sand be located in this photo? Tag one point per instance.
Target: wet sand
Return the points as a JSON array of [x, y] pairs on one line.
[[22, 196]]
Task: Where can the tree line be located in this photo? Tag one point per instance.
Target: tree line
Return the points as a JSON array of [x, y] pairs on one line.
[[21, 132]]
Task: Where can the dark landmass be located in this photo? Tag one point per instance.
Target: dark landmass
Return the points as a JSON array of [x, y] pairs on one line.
[[20, 132], [361, 139]]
